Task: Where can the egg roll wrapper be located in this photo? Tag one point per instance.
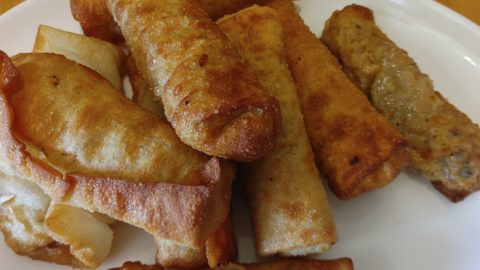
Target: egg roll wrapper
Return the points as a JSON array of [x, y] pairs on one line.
[[355, 147], [212, 100], [290, 210], [101, 152], [444, 142]]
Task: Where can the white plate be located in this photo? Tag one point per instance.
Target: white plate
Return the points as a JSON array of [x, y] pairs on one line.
[[406, 225]]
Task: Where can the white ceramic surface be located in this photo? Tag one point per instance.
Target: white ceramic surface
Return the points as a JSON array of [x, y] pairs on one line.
[[407, 225]]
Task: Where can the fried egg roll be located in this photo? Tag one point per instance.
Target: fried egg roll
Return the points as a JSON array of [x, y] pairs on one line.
[[96, 20], [290, 210], [212, 100], [123, 161], [354, 145], [285, 264], [220, 247], [444, 142]]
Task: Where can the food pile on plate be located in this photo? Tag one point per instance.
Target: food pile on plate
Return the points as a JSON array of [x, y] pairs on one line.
[[253, 96]]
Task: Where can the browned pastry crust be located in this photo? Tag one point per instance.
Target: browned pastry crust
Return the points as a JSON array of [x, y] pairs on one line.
[[213, 101], [355, 147], [285, 264], [444, 142], [185, 205]]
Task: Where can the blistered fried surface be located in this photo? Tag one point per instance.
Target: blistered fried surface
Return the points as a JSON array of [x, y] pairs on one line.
[[95, 138], [213, 101], [187, 212], [291, 214], [352, 142], [220, 247], [444, 142]]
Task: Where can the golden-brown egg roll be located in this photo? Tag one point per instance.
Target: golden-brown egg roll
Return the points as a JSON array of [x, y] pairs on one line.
[[96, 20], [220, 247], [211, 98], [355, 146], [285, 264], [444, 142], [122, 161], [290, 210]]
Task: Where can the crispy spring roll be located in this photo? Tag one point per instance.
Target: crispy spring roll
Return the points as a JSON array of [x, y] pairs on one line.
[[285, 264], [213, 101], [444, 142], [355, 146], [220, 247], [123, 162], [290, 210], [96, 20]]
